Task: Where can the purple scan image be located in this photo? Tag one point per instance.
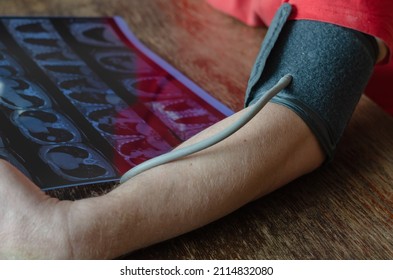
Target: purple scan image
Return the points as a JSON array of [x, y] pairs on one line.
[[46, 126], [83, 100], [96, 34], [184, 116], [76, 162], [19, 93], [152, 87], [122, 62], [8, 66], [141, 148]]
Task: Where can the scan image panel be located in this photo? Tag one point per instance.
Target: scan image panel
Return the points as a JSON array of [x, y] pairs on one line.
[[82, 101]]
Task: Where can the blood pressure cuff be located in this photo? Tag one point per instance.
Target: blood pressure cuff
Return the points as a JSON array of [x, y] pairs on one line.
[[330, 65]]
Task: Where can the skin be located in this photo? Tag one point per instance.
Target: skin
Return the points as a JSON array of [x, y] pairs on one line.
[[146, 210], [274, 148], [383, 50]]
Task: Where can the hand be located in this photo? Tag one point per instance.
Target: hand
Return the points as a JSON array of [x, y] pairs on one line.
[[32, 224]]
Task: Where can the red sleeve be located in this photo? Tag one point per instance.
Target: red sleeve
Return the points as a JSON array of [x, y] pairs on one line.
[[369, 16], [251, 12], [374, 17]]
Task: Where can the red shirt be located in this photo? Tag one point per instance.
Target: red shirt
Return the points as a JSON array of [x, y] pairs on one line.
[[374, 17]]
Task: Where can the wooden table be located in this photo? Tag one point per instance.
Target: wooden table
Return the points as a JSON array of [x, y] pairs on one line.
[[341, 211]]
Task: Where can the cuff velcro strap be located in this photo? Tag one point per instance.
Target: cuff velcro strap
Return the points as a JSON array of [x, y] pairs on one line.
[[330, 65]]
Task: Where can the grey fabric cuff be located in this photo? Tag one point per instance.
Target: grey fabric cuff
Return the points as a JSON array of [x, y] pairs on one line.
[[330, 65]]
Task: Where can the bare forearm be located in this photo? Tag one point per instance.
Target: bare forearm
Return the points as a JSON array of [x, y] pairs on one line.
[[273, 149]]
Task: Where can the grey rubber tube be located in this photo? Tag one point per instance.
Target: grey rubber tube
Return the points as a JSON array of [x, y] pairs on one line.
[[183, 152]]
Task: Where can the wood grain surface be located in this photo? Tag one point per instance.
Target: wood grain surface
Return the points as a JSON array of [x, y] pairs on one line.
[[341, 211]]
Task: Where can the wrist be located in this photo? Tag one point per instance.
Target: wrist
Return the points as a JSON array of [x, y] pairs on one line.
[[93, 228]]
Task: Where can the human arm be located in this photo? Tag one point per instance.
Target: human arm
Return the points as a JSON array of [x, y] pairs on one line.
[[272, 149]]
